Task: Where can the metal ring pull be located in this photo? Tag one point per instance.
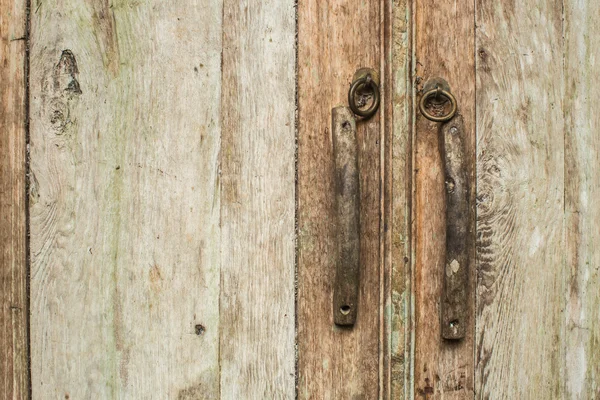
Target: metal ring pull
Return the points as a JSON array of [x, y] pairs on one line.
[[364, 81], [437, 92]]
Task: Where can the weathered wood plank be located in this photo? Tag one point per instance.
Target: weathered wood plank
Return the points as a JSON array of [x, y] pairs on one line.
[[335, 38], [258, 200], [582, 191], [124, 201], [444, 42], [397, 186], [521, 278], [14, 378]]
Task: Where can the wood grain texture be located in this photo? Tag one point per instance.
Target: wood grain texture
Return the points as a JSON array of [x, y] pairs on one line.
[[521, 275], [582, 189], [444, 43], [14, 376], [258, 200], [397, 187], [347, 196], [335, 38], [124, 200]]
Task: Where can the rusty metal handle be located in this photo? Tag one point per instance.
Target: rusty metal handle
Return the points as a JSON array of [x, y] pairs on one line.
[[456, 277], [454, 301], [345, 150]]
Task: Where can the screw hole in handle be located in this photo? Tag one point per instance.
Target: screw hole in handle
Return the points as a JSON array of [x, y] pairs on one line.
[[345, 309], [365, 81]]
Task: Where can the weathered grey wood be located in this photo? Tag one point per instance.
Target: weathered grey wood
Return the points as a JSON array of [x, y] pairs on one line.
[[124, 200], [397, 187], [347, 197], [14, 376], [335, 38], [522, 278], [444, 42], [581, 364], [258, 200], [456, 294]]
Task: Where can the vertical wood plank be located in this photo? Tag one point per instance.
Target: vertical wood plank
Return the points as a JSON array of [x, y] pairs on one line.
[[124, 199], [397, 211], [258, 200], [14, 380], [582, 189], [521, 278], [444, 47], [335, 38]]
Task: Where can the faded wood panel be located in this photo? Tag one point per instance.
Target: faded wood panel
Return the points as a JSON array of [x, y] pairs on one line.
[[258, 200], [14, 380], [335, 38], [444, 43], [124, 200], [582, 189], [397, 184], [521, 277]]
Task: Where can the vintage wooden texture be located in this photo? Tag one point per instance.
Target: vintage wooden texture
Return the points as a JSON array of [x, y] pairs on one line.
[[124, 199], [397, 184], [581, 276], [347, 214], [522, 279], [444, 38], [128, 171], [14, 380], [258, 200], [456, 294], [444, 43], [335, 38]]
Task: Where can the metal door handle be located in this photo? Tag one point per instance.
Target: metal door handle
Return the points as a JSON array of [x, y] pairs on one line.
[[363, 90], [345, 150], [454, 306]]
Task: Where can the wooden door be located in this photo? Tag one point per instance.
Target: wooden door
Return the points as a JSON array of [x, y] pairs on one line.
[[520, 72], [168, 224]]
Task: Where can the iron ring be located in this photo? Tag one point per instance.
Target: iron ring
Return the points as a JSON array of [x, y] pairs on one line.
[[436, 93], [357, 84]]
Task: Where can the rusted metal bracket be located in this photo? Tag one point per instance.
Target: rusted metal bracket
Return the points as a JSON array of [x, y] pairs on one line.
[[345, 150], [436, 98]]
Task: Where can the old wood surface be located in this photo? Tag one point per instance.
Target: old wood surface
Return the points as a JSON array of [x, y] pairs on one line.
[[162, 200], [134, 188], [444, 42], [522, 279], [581, 276], [258, 200], [125, 137], [14, 380], [335, 38], [397, 187]]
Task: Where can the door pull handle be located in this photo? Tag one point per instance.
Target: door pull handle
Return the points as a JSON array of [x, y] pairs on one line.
[[363, 90], [455, 297], [347, 199]]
